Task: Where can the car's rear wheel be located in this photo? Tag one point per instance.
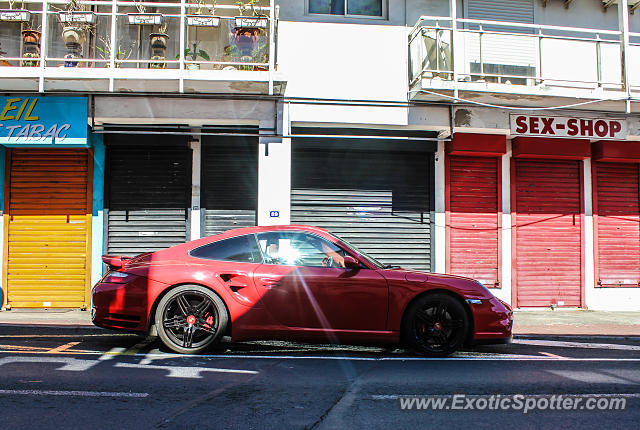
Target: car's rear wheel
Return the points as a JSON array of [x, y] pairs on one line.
[[190, 318], [435, 325]]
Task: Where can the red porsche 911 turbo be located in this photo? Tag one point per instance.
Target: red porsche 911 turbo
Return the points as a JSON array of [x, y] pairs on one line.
[[292, 282]]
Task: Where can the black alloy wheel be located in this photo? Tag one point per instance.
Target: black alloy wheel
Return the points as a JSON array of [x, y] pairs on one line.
[[435, 325], [190, 318]]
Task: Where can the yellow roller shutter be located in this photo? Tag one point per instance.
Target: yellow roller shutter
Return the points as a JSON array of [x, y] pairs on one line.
[[48, 225]]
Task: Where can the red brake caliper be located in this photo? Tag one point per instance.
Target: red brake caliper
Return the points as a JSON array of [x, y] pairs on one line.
[[208, 321]]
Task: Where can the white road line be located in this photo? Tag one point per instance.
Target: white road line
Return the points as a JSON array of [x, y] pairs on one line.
[[585, 345], [72, 393], [184, 372], [505, 357], [608, 395]]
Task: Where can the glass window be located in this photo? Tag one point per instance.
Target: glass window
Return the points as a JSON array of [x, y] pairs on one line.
[[242, 249], [346, 7], [300, 249]]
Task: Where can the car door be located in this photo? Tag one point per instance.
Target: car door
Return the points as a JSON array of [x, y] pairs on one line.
[[303, 284]]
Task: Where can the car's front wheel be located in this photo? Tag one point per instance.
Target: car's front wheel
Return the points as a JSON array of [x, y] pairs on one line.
[[435, 325], [190, 318]]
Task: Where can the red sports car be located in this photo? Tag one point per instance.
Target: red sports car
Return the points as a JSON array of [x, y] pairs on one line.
[[292, 282]]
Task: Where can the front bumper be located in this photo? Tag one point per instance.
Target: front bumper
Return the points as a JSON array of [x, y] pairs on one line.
[[493, 321]]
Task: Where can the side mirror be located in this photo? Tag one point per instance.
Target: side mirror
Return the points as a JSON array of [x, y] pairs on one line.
[[351, 263]]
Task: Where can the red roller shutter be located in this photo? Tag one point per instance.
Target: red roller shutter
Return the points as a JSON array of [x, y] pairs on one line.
[[473, 224], [548, 246], [617, 224]]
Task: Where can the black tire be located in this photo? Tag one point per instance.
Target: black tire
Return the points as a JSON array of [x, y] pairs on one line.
[[190, 318], [435, 325]]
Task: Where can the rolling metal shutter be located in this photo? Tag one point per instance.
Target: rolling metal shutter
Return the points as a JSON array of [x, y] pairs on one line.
[[229, 183], [500, 50], [473, 218], [49, 228], [378, 200], [548, 232], [149, 191], [618, 224], [501, 10]]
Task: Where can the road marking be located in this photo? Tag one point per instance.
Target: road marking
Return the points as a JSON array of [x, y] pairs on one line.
[[586, 345], [63, 347], [505, 357], [548, 354], [21, 336], [72, 393], [68, 363], [112, 353], [608, 395], [184, 372]]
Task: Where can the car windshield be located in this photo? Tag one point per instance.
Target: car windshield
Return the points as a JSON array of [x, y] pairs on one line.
[[375, 262]]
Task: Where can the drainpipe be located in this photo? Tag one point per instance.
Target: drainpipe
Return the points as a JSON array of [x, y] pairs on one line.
[[623, 26]]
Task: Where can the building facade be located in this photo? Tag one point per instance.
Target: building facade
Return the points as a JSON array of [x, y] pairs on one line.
[[493, 139]]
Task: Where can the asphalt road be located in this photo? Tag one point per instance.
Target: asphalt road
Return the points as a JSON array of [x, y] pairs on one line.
[[55, 378]]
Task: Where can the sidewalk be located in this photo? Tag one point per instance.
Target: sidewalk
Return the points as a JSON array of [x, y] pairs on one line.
[[49, 317], [547, 322], [577, 322]]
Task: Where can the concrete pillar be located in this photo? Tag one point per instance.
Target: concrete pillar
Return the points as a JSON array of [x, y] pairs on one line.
[[196, 150], [504, 292], [438, 235], [274, 170], [589, 260]]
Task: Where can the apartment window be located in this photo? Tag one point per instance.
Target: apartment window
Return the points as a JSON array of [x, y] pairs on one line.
[[347, 7]]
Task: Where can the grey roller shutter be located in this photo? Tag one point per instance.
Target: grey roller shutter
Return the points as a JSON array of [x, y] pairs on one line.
[[229, 183], [501, 10], [148, 196], [379, 201]]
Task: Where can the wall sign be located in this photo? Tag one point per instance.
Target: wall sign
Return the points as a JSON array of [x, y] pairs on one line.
[[568, 127], [43, 121], [274, 214]]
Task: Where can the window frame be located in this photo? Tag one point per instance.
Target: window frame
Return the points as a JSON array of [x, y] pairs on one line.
[[384, 13], [338, 244], [255, 239]]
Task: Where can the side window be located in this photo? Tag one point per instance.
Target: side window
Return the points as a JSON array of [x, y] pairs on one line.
[[300, 249], [243, 249]]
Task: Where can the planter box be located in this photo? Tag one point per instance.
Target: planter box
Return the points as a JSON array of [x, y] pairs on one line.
[[203, 20], [15, 15], [252, 21], [145, 18], [84, 17]]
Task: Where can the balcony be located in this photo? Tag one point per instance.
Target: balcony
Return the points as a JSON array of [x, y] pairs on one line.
[[139, 47], [521, 64]]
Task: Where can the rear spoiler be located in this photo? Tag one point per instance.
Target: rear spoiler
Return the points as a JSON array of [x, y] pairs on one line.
[[115, 261]]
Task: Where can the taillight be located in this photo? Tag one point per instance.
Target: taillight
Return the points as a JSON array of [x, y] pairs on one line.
[[117, 278]]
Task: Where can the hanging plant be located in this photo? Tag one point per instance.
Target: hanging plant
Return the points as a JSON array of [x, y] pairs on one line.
[[15, 15], [198, 19]]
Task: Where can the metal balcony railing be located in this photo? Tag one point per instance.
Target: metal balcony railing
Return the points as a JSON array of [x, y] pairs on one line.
[[519, 54], [116, 41]]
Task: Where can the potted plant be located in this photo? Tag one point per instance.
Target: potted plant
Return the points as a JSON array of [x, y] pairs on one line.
[[248, 28], [197, 19], [76, 23], [192, 54], [31, 44], [34, 62], [256, 20], [158, 43], [144, 18], [119, 55], [15, 15]]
